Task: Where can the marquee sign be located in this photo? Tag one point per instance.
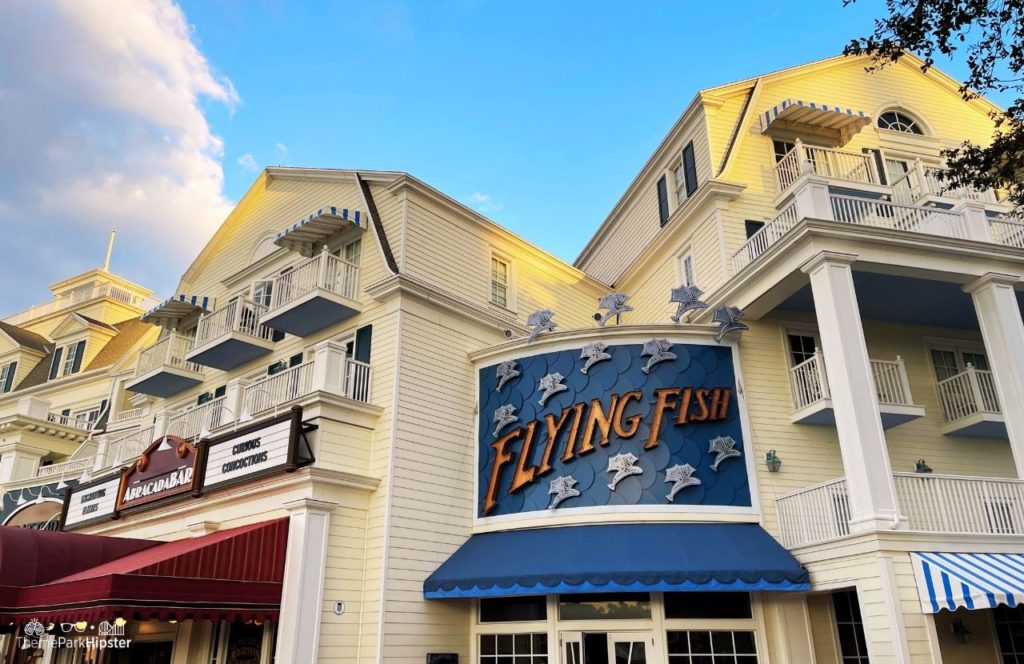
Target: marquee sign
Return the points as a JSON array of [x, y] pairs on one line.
[[167, 468], [172, 468], [626, 425], [92, 501]]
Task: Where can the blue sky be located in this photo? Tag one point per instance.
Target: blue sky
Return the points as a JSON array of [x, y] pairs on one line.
[[537, 114]]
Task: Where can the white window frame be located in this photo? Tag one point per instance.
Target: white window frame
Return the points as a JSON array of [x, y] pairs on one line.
[[344, 251], [5, 370], [67, 359], [681, 260], [258, 283], [956, 346], [510, 280]]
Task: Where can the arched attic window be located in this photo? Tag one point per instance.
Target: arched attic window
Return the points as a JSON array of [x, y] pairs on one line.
[[896, 120], [264, 247]]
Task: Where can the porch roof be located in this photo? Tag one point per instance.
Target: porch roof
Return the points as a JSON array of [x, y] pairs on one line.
[[810, 117]]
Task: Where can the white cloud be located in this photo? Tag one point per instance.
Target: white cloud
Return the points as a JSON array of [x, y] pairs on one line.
[[281, 148], [483, 203], [248, 162], [103, 125]]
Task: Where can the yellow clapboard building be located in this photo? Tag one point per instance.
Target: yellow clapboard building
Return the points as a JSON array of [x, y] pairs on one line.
[[767, 416]]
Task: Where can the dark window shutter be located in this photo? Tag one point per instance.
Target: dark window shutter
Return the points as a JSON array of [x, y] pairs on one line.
[[879, 165], [66, 412], [295, 360], [364, 336], [79, 352], [689, 169], [55, 365], [203, 398], [220, 391], [662, 200], [11, 370], [101, 420]]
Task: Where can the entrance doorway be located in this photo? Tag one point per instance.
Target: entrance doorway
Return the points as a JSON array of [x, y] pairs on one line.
[[606, 647], [143, 652]]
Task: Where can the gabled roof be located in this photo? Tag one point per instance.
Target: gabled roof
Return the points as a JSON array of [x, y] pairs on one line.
[[25, 338], [129, 333]]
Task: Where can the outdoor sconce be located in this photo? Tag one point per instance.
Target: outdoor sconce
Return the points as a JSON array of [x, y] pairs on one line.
[[960, 632], [922, 467], [772, 460]]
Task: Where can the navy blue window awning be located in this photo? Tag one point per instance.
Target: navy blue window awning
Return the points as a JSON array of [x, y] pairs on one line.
[[618, 558]]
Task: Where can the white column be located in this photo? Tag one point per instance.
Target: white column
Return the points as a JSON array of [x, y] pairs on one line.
[[995, 303], [19, 461], [975, 220], [872, 493], [302, 596], [329, 367], [233, 400]]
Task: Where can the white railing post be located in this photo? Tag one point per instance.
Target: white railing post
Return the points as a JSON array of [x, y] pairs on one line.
[[329, 367], [234, 397], [812, 199], [803, 165], [907, 399], [975, 219], [102, 447], [819, 361], [321, 277], [972, 380]]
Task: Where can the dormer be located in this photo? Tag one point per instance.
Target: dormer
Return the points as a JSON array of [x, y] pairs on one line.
[[20, 351], [77, 340]]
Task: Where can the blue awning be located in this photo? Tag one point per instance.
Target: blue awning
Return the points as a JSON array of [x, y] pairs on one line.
[[969, 580], [172, 311], [305, 235], [618, 558]]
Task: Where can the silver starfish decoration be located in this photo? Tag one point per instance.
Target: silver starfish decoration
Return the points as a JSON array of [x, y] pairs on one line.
[[551, 385], [540, 321], [724, 447], [506, 371], [681, 476], [616, 305], [658, 351], [503, 416], [728, 319], [562, 488], [594, 353], [624, 465], [688, 298]]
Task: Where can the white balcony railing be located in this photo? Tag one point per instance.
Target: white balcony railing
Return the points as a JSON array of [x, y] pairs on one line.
[[71, 421], [168, 352], [325, 271], [70, 468], [815, 514], [929, 503], [896, 216], [278, 390], [274, 391], [967, 505], [969, 392], [921, 181], [239, 315], [123, 448], [190, 423], [826, 162], [80, 296], [810, 383], [765, 237], [127, 415], [1007, 232]]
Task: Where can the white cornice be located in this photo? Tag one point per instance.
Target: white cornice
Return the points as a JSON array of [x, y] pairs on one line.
[[407, 285]]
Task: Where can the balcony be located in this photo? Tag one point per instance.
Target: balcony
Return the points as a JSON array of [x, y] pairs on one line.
[[858, 211], [162, 369], [276, 392], [837, 165], [930, 504], [231, 336], [970, 405], [812, 399], [123, 448], [316, 294], [80, 296], [922, 185]]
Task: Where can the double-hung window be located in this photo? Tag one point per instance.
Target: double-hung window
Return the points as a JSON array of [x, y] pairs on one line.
[[499, 282], [67, 360], [7, 372], [686, 270]]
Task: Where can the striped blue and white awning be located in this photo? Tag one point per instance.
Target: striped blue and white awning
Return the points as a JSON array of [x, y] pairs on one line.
[[810, 117], [305, 235], [172, 311], [969, 580]]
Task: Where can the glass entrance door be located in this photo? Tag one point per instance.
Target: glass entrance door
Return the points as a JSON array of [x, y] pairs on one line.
[[606, 647]]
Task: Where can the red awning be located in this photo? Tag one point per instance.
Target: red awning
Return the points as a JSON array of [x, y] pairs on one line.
[[233, 574]]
